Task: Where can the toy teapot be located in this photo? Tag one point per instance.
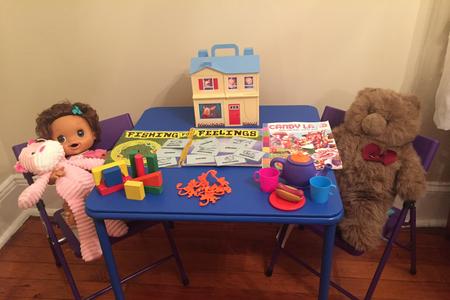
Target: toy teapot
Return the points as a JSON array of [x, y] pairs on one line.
[[298, 169]]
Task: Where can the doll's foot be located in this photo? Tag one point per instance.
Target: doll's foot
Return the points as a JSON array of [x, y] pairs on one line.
[[91, 251], [116, 228]]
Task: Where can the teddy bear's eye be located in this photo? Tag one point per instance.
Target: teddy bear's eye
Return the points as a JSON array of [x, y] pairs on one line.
[[80, 132], [61, 139], [32, 153]]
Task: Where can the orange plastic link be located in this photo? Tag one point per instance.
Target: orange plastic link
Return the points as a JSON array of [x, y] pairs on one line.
[[202, 189]]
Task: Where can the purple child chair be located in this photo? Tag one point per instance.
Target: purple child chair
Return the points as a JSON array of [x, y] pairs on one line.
[[111, 130], [426, 148]]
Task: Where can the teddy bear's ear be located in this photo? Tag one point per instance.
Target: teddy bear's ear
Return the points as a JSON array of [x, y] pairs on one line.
[[366, 91], [413, 100]]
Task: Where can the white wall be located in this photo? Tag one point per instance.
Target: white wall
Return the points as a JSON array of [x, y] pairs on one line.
[[131, 55]]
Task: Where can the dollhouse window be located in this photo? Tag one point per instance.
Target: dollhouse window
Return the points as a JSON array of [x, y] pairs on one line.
[[248, 82], [208, 84], [232, 83], [210, 111]]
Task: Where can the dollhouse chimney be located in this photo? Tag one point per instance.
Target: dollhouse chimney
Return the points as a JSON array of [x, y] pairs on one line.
[[248, 51], [202, 53]]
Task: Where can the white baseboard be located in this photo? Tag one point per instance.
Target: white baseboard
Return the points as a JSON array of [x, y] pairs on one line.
[[432, 211], [12, 229], [12, 217]]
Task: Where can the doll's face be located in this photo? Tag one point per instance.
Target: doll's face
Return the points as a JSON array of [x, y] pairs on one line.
[[73, 133]]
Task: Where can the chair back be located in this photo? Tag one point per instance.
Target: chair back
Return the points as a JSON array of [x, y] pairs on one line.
[[111, 130], [333, 115], [425, 147]]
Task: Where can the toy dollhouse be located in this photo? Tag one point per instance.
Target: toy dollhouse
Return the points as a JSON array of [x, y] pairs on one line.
[[225, 89]]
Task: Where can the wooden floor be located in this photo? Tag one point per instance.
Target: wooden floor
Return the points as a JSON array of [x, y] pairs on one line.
[[223, 261]]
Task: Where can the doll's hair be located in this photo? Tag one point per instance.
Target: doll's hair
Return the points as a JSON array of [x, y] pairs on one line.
[[58, 110]]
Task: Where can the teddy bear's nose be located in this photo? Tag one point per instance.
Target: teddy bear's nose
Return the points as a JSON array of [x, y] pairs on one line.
[[374, 124]]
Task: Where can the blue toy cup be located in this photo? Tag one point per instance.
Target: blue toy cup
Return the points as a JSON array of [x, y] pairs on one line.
[[321, 188]]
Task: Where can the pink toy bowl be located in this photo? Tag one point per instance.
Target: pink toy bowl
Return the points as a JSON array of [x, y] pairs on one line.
[[267, 178]]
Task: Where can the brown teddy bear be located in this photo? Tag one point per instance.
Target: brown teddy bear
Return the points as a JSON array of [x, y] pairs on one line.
[[379, 162]]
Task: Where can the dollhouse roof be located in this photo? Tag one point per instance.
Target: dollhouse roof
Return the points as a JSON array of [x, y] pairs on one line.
[[226, 64]]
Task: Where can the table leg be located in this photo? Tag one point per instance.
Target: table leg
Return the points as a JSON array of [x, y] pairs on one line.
[[109, 258], [327, 259]]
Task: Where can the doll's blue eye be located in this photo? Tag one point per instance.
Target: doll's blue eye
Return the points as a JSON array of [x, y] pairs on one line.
[[80, 133], [61, 139]]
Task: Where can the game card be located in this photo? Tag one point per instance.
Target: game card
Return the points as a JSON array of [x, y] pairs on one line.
[[230, 159], [228, 148], [250, 154], [175, 143], [168, 152], [166, 161], [196, 159], [211, 151], [242, 142], [212, 141]]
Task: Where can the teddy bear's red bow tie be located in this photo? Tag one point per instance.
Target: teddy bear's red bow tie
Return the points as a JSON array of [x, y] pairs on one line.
[[373, 152]]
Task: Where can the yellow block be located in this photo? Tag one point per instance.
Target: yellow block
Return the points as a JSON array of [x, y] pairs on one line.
[[97, 171], [134, 190]]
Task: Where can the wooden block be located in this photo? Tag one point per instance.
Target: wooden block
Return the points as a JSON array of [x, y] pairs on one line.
[[132, 163], [139, 163], [97, 171], [112, 176], [154, 190], [152, 163], [152, 179], [134, 190], [105, 190]]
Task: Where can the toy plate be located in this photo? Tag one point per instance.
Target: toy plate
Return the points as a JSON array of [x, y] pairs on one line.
[[282, 204]]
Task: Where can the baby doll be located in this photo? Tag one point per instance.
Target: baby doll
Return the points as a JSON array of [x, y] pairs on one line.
[[76, 127]]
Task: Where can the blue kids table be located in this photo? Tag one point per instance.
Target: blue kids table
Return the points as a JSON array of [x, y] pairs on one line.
[[246, 203]]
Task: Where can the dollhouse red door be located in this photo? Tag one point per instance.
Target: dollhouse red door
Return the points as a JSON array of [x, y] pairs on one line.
[[234, 114]]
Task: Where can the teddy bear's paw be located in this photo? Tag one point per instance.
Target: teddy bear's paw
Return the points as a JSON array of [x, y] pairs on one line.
[[359, 237], [411, 190]]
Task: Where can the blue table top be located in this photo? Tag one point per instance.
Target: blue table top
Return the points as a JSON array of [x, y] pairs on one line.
[[246, 203]]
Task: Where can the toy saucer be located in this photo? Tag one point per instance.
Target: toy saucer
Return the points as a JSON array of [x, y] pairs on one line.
[[282, 204]]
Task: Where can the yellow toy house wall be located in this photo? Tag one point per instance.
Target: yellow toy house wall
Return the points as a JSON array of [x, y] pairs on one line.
[[241, 90], [199, 110], [205, 94], [248, 111], [232, 107]]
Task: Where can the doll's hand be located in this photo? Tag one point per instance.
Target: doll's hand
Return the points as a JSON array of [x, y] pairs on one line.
[[56, 173]]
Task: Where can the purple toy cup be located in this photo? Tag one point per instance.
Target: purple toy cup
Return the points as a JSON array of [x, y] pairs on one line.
[[267, 178]]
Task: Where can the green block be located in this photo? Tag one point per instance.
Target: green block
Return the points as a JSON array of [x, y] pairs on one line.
[[132, 162], [153, 190], [152, 163]]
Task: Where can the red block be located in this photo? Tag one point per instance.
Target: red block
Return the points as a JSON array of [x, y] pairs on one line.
[[152, 179], [105, 190], [139, 161]]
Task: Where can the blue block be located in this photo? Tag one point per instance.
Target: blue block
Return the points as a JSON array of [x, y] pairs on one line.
[[112, 176]]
